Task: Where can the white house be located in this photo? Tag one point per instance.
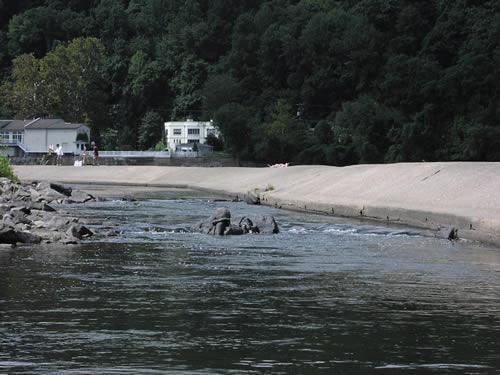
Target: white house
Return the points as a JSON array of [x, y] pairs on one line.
[[34, 136], [189, 131]]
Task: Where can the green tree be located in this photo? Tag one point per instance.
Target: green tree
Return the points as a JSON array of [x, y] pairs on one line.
[[235, 123], [150, 130], [74, 75], [67, 83], [220, 89], [143, 74], [25, 91], [369, 124], [34, 31]]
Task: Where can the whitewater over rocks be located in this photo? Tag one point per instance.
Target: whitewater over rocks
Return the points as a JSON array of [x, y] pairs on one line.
[[27, 216]]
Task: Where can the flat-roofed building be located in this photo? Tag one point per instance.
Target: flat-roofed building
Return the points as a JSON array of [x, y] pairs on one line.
[[188, 132]]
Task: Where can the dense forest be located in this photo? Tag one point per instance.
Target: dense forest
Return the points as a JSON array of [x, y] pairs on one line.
[[309, 81]]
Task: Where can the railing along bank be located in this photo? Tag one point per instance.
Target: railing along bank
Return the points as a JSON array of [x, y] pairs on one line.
[[134, 154]]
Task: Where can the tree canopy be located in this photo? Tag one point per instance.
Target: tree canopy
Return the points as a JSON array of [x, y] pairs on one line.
[[305, 81]]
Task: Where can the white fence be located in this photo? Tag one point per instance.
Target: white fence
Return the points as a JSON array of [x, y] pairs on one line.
[[134, 154], [185, 154]]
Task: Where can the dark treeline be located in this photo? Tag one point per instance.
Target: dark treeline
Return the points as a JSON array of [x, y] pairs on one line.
[[310, 81]]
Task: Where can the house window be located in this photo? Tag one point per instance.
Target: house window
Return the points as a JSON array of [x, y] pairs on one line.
[[166, 132], [193, 141], [193, 131], [4, 136], [17, 136], [177, 131]]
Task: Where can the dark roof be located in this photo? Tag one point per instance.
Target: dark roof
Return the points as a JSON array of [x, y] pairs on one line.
[[14, 125], [52, 124], [19, 125], [4, 123]]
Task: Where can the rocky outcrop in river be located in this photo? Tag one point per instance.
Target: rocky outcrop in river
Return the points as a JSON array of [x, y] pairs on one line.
[[220, 224], [28, 217]]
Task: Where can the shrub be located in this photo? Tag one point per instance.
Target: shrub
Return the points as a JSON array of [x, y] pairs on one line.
[[6, 169], [160, 146], [269, 187], [84, 137]]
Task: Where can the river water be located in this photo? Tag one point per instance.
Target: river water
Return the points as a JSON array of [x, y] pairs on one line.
[[325, 295]]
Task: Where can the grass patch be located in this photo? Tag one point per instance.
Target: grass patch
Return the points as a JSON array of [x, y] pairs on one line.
[[6, 169], [269, 187]]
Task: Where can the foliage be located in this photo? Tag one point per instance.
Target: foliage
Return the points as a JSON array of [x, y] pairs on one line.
[[84, 137], [150, 130], [6, 170], [160, 146], [374, 81], [215, 142], [234, 121], [65, 83], [109, 139]]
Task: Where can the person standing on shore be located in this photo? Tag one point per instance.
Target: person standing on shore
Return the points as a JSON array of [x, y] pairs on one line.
[[95, 151], [49, 158], [84, 155], [59, 154]]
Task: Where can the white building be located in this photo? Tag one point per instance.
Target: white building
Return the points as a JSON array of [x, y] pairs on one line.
[[189, 131], [20, 137]]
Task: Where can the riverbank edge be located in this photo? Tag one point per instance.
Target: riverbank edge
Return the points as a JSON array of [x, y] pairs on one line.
[[435, 196], [421, 219]]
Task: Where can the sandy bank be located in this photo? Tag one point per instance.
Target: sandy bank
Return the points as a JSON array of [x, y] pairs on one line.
[[427, 195]]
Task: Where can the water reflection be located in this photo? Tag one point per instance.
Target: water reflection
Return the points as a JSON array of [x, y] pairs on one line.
[[323, 296]]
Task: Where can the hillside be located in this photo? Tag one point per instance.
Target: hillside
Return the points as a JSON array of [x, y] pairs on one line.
[[310, 81]]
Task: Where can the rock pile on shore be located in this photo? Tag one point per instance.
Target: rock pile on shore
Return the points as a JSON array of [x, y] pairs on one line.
[[220, 224], [27, 216]]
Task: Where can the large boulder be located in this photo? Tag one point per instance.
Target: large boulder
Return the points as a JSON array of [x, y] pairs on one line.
[[49, 195], [78, 196], [59, 223], [234, 230], [79, 231], [219, 221], [252, 197], [21, 195], [41, 206], [266, 224], [4, 208], [11, 235], [18, 215], [65, 190], [220, 224]]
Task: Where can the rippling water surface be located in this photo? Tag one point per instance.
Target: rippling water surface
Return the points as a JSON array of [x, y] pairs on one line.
[[323, 296]]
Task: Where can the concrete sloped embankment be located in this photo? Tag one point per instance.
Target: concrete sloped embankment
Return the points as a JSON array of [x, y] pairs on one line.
[[428, 195]]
